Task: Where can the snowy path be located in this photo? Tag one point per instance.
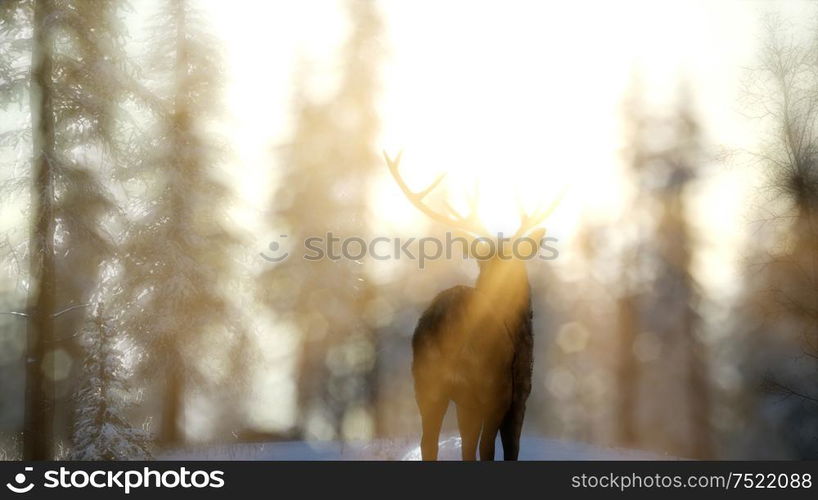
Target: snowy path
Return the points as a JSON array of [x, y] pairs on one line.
[[531, 448]]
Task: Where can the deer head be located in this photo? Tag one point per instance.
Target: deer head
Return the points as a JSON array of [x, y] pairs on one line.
[[501, 259]]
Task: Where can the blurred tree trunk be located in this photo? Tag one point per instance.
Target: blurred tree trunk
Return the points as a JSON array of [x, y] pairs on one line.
[[39, 402], [173, 395], [701, 445], [677, 244], [172, 407], [628, 371]]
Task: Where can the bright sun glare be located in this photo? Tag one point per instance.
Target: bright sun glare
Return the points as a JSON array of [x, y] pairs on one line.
[[495, 110], [523, 98], [525, 108]]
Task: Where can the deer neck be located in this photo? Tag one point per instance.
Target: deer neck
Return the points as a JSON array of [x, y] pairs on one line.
[[509, 293]]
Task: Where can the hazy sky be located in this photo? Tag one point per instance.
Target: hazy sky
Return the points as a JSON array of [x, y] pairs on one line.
[[526, 94]]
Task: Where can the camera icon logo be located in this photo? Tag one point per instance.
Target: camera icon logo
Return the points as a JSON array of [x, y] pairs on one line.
[[20, 478]]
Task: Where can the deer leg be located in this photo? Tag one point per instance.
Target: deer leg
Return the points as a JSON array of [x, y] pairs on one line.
[[510, 430], [491, 424], [469, 422], [432, 412]]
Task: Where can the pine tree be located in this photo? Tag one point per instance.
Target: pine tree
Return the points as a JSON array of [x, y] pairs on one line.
[[658, 314], [782, 342], [325, 181], [101, 429], [177, 251], [675, 249], [74, 78]]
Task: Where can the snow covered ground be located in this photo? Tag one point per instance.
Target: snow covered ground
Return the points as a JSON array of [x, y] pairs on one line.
[[531, 448]]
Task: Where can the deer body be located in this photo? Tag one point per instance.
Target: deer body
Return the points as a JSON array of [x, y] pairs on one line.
[[477, 352], [474, 345]]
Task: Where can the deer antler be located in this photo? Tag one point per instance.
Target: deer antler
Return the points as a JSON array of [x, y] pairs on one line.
[[469, 223], [530, 221]]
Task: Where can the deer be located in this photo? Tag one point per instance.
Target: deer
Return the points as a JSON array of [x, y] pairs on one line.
[[473, 345]]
